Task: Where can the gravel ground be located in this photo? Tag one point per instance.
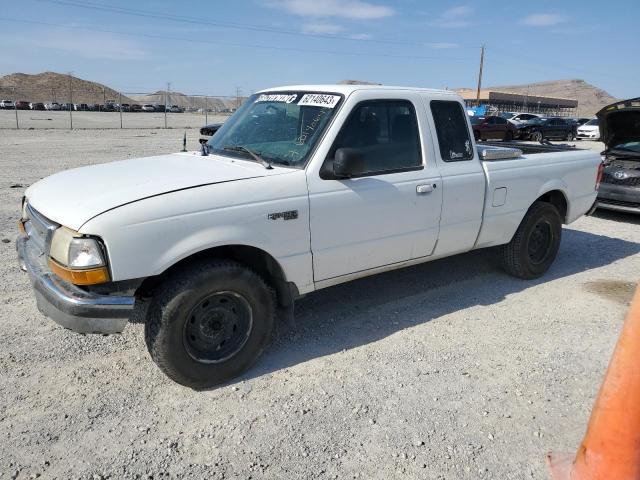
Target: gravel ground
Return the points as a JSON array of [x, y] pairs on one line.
[[448, 370]]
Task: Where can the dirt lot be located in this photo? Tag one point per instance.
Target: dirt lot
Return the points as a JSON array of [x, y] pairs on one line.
[[448, 370]]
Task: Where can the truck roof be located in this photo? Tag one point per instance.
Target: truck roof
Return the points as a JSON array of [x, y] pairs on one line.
[[347, 89]]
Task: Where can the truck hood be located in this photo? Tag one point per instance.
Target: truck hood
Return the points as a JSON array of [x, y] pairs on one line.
[[73, 197], [620, 123]]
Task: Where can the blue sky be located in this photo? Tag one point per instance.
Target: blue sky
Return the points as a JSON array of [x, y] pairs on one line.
[[212, 47]]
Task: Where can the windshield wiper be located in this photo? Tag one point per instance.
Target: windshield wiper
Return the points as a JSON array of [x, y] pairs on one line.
[[256, 157]]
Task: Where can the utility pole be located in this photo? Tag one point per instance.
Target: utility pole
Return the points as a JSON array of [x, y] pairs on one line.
[[70, 103], [480, 75], [166, 96], [15, 108], [238, 93], [120, 104]]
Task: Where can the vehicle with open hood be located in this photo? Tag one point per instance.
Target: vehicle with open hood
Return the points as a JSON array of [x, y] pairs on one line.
[[304, 187], [620, 131]]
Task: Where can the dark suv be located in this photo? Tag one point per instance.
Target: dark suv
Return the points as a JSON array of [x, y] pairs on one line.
[[542, 128]]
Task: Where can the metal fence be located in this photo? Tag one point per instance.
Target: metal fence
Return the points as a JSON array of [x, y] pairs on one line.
[[66, 107]]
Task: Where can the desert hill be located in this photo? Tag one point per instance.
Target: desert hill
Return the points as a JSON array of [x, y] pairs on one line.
[[590, 98], [185, 101], [54, 87]]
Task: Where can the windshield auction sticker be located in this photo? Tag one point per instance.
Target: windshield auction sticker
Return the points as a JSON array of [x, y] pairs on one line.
[[276, 97], [319, 100]]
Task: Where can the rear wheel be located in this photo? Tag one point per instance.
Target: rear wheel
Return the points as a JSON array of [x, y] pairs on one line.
[[570, 137], [536, 136], [209, 323], [535, 244]]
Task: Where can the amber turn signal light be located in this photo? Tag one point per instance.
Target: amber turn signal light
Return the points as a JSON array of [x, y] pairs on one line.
[[92, 276]]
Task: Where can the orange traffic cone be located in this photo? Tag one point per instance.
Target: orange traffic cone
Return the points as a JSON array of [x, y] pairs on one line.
[[611, 447]]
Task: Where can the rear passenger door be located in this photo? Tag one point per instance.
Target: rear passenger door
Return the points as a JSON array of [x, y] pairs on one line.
[[389, 213], [463, 178]]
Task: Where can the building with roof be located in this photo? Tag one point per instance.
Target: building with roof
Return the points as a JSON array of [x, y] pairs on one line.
[[516, 102]]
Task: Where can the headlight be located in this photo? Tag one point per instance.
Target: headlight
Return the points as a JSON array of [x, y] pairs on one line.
[[77, 259], [70, 249]]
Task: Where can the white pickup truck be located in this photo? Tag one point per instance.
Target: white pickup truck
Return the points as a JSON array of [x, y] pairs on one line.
[[302, 188]]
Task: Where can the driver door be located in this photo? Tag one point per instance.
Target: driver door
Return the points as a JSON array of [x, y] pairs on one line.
[[388, 214]]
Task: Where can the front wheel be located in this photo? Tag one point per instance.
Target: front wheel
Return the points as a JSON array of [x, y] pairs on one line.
[[209, 323], [570, 137], [535, 244], [536, 136]]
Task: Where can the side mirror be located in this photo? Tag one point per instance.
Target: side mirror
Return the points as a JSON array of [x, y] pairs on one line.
[[347, 163]]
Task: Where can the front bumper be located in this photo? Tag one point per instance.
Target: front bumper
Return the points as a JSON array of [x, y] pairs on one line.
[[619, 197], [68, 305]]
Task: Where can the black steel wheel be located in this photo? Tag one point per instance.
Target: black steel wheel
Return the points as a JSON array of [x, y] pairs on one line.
[[208, 322], [540, 242], [218, 327], [535, 244]]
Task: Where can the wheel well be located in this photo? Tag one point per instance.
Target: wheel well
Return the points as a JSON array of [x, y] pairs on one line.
[[258, 260], [558, 200]]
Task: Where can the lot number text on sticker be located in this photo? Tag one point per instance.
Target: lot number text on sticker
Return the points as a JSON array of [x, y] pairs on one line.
[[319, 100], [274, 97]]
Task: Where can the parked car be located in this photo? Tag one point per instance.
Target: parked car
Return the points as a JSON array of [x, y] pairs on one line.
[[7, 104], [52, 106], [492, 128], [176, 109], [135, 107], [109, 107], [22, 105], [208, 131], [517, 118], [619, 126], [589, 131], [305, 189], [36, 106], [81, 107], [542, 128], [125, 107], [93, 107], [578, 121], [159, 108], [148, 108]]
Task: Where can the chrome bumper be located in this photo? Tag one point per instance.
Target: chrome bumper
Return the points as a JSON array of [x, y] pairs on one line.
[[68, 305]]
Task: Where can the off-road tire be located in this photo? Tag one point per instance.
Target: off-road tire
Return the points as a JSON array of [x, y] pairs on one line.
[[515, 256], [171, 308]]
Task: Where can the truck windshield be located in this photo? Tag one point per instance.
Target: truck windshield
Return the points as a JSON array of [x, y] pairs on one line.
[[280, 127]]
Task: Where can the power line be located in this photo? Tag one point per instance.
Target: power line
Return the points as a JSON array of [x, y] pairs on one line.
[[237, 44], [234, 25]]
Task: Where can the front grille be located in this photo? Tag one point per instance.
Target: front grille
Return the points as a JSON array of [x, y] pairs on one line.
[[627, 182], [39, 229]]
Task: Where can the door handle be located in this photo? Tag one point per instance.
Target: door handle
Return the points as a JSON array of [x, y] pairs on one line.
[[424, 189]]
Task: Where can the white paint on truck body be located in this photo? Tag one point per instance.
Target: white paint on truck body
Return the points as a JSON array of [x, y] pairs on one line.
[[153, 212]]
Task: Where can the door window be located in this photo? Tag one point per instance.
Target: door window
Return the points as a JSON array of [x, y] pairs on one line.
[[452, 131], [385, 134]]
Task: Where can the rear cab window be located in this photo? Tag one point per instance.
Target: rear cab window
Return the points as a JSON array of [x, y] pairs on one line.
[[451, 129]]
